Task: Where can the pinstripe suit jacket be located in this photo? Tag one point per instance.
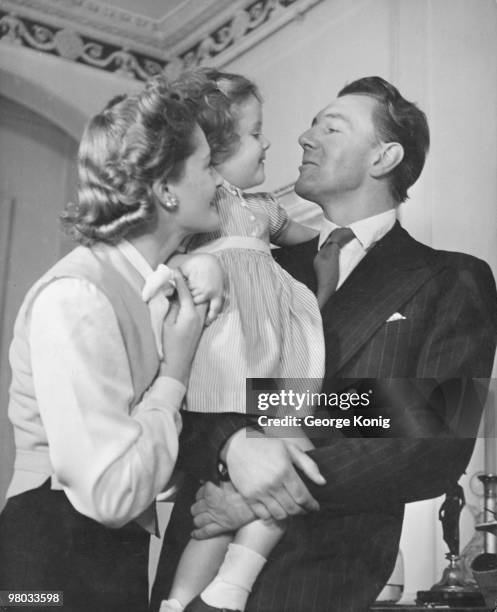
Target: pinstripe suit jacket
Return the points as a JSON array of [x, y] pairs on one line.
[[339, 559]]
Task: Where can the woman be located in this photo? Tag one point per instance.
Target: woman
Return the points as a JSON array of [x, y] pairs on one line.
[[98, 374]]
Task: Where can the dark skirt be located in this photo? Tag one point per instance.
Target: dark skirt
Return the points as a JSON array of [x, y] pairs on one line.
[[46, 545]]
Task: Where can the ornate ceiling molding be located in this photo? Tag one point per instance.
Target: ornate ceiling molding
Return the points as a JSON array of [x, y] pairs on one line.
[[106, 37]]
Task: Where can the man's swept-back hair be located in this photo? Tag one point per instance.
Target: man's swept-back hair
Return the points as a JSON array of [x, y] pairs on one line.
[[133, 142], [215, 96], [396, 120]]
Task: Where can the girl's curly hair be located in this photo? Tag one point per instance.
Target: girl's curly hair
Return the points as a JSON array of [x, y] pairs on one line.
[[133, 142], [214, 97]]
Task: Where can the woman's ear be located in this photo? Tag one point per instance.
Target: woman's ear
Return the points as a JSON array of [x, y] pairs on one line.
[[389, 156], [165, 198]]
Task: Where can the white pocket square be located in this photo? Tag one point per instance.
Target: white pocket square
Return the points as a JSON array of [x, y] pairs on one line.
[[395, 317]]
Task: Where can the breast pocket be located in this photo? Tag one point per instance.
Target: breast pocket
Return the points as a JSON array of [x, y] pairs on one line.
[[408, 326]]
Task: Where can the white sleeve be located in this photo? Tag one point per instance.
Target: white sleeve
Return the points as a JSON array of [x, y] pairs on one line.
[[111, 461]]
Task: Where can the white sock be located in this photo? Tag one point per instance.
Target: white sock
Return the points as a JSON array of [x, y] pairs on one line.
[[235, 578], [171, 605]]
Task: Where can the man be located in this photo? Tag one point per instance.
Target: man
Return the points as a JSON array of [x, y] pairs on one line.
[[409, 323]]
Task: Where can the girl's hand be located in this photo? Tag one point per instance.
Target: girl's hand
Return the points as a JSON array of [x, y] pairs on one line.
[[180, 334], [205, 280]]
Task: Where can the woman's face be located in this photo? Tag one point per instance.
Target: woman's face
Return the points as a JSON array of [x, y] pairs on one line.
[[195, 188]]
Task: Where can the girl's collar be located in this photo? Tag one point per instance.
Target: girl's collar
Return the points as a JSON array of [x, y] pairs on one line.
[[231, 188]]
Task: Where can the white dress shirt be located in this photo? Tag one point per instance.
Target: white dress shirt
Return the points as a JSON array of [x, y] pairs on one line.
[[367, 232], [110, 460]]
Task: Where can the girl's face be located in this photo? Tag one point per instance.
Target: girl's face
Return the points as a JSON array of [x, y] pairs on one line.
[[245, 167], [195, 189]]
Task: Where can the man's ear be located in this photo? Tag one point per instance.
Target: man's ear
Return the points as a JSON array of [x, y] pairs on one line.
[[389, 156]]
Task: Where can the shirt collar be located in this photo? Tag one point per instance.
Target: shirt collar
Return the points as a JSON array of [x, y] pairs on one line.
[[135, 258], [367, 231], [232, 188]]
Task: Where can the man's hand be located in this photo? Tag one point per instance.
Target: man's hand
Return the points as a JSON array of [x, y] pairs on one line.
[[262, 469], [219, 510]]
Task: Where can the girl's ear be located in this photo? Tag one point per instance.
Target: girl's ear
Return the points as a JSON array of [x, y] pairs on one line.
[[389, 156], [165, 198]]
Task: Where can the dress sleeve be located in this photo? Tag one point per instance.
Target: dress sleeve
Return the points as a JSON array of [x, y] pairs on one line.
[[277, 215], [111, 459]]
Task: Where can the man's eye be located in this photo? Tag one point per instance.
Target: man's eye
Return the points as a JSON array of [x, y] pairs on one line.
[[331, 130]]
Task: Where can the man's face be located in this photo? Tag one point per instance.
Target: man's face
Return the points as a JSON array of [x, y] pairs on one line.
[[338, 150]]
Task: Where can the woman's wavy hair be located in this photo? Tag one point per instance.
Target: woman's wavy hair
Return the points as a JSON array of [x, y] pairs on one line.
[[133, 142], [215, 96], [396, 120]]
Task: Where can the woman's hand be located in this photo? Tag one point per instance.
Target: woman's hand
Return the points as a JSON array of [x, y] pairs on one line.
[[181, 332]]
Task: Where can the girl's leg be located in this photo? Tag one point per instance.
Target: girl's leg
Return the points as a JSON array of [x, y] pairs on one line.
[[242, 564], [247, 555], [197, 567]]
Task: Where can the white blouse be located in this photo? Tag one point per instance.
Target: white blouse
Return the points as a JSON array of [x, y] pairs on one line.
[[110, 461]]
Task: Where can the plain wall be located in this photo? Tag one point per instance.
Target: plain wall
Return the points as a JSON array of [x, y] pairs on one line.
[[37, 178]]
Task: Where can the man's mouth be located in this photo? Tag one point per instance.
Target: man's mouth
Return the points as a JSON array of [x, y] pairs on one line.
[[306, 164]]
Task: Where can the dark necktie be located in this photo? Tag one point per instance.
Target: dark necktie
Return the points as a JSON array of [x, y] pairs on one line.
[[327, 260]]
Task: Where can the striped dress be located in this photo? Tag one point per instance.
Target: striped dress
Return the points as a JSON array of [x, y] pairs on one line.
[[270, 326]]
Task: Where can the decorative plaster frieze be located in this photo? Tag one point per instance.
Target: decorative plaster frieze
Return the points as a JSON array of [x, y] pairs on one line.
[[69, 45], [111, 22], [68, 39]]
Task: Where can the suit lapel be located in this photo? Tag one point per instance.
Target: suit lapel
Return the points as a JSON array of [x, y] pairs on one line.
[[393, 271]]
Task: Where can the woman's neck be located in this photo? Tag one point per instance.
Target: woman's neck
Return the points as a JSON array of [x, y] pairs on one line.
[[156, 249]]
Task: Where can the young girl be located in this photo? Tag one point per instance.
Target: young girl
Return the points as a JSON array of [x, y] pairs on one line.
[[270, 326]]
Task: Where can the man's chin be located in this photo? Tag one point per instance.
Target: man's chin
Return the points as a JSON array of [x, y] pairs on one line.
[[302, 189]]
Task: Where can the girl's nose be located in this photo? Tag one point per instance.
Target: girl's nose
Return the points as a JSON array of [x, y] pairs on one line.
[[265, 143]]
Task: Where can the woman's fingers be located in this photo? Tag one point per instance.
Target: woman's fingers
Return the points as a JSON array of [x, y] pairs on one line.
[[184, 296], [215, 307], [180, 333]]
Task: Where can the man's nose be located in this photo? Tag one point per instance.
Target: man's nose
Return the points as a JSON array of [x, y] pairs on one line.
[[305, 139]]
